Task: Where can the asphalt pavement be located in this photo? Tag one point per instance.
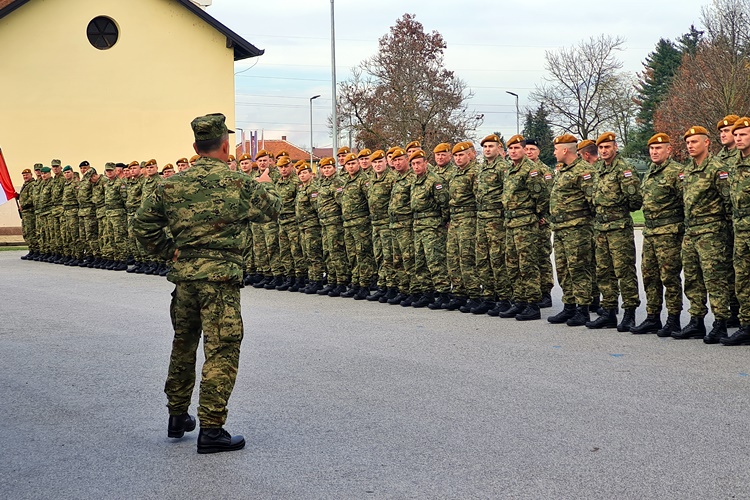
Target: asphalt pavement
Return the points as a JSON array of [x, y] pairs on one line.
[[350, 399]]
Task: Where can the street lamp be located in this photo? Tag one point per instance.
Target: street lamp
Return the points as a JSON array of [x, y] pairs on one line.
[[518, 112], [311, 129], [242, 139], [334, 111]]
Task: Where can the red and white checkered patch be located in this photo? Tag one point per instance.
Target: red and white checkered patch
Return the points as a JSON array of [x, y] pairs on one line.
[[628, 173], [586, 176], [438, 186], [723, 175], [533, 173]]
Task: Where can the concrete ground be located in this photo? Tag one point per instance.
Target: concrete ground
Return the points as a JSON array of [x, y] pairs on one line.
[[346, 399]]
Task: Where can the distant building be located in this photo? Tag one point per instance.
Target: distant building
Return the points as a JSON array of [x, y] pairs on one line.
[[274, 146], [109, 80]]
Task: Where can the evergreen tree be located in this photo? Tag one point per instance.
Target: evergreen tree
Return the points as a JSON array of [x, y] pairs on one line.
[[537, 127]]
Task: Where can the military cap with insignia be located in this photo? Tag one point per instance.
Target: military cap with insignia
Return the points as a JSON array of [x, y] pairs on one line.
[[230, 158], [413, 144], [45, 170], [38, 166], [26, 171], [246, 156], [397, 151], [109, 166], [67, 168], [377, 155], [462, 146], [326, 161], [168, 166], [392, 149], [150, 162], [727, 121], [443, 147], [531, 142], [585, 143], [605, 137], [182, 160], [743, 122], [84, 163], [120, 165], [417, 154], [567, 139], [210, 127], [56, 163], [491, 138], [516, 139], [364, 152], [695, 130], [262, 153], [343, 151], [134, 164], [660, 138], [303, 165], [349, 157], [194, 158], [283, 161], [281, 153]]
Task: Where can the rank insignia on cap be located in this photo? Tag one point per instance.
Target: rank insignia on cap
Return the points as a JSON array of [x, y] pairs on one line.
[[628, 173], [723, 175], [438, 186], [586, 176]]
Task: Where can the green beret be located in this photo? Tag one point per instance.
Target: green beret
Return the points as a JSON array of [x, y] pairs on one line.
[[210, 127], [46, 170], [68, 168], [109, 166]]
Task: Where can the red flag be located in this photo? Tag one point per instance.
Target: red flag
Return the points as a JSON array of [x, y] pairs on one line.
[[7, 192]]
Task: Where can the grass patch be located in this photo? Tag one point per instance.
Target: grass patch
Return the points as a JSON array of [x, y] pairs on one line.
[[12, 248], [637, 217]]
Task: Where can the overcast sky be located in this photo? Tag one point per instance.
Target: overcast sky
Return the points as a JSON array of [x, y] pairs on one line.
[[493, 46]]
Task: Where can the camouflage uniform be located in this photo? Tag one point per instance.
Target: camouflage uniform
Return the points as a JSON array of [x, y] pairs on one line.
[[43, 212], [310, 233], [706, 260], [72, 244], [357, 228], [730, 158], [616, 194], [88, 227], [97, 198], [28, 217], [462, 231], [329, 215], [402, 231], [116, 220], [132, 204], [661, 265], [290, 251], [445, 172], [490, 236], [207, 208], [56, 214], [571, 217], [36, 193], [270, 233], [546, 277], [148, 186], [526, 201], [378, 198], [740, 195], [429, 204]]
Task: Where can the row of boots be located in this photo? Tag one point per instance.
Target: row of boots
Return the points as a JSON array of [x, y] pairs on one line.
[[88, 261]]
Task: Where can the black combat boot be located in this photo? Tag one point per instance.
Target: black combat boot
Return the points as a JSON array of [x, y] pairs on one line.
[[375, 296], [580, 318], [326, 289], [313, 287], [396, 299], [515, 308], [134, 268], [484, 307], [266, 280], [456, 302], [441, 299], [164, 270], [26, 257], [179, 425], [734, 319], [569, 310], [337, 291], [628, 321], [300, 284], [120, 266], [283, 287], [472, 303], [362, 293], [546, 301], [530, 312], [671, 326], [695, 329], [425, 300], [351, 292], [392, 292], [409, 300], [740, 337], [500, 307], [718, 332], [651, 324], [608, 320], [276, 281], [216, 439]]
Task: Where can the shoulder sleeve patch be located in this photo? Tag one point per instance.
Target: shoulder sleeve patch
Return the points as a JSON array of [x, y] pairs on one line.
[[586, 176], [533, 173], [723, 175], [682, 176], [438, 186], [548, 176], [628, 173]]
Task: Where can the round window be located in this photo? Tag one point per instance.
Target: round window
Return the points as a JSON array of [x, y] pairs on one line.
[[102, 32]]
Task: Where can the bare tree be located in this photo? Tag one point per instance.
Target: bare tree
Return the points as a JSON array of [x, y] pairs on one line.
[[583, 84], [405, 93]]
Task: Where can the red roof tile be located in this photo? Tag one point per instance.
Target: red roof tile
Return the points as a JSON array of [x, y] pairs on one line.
[[274, 146]]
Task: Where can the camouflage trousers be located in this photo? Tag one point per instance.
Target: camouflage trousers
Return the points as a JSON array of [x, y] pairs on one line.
[[546, 276], [260, 252], [334, 254], [574, 255], [522, 261], [734, 303], [248, 254], [44, 233], [742, 273], [116, 222], [290, 251], [72, 244], [615, 268], [89, 232], [661, 267], [490, 259], [461, 256], [311, 240], [430, 270], [134, 248], [39, 228], [705, 263], [403, 258], [104, 236], [28, 226], [270, 232], [55, 232], [214, 309], [358, 243], [382, 247]]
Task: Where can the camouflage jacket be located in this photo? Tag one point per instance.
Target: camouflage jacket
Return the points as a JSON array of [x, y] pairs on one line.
[[616, 193], [730, 157], [36, 191], [705, 191], [429, 201], [379, 197], [570, 196], [206, 209], [287, 190], [662, 199], [97, 195], [43, 201], [525, 194], [57, 185], [135, 194], [304, 205], [463, 202], [326, 200], [26, 196], [399, 206], [739, 183], [148, 186], [353, 198], [70, 195], [488, 188], [114, 195], [85, 194], [445, 172]]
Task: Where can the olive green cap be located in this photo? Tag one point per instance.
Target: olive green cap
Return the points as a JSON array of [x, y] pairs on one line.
[[38, 166], [56, 163], [109, 166], [210, 127]]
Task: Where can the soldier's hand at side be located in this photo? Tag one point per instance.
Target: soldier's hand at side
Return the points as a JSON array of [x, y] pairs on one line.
[[264, 177], [176, 254]]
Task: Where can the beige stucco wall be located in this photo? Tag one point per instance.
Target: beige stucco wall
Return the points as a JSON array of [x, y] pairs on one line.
[[63, 98]]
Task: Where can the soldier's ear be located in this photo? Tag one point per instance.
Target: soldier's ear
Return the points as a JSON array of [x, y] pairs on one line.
[[195, 147]]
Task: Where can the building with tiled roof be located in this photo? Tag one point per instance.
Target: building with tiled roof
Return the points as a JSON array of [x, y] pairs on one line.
[[274, 146]]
